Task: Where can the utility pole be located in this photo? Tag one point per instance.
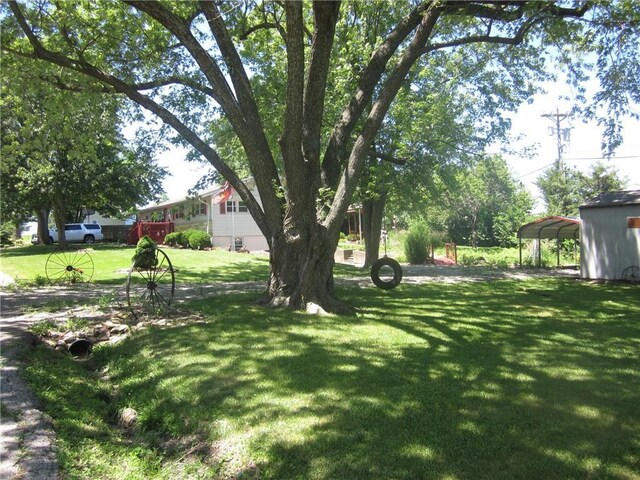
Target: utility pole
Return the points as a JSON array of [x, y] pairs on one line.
[[562, 134]]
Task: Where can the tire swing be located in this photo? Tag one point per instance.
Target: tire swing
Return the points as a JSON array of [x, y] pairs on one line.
[[386, 262]]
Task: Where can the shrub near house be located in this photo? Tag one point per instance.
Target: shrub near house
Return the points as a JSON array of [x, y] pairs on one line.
[[195, 239]]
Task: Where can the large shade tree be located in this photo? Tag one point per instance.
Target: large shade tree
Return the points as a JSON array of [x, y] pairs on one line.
[[63, 151], [187, 63]]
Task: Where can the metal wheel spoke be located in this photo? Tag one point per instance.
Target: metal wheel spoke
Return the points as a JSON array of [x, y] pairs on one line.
[[151, 289], [56, 262], [161, 298], [69, 267]]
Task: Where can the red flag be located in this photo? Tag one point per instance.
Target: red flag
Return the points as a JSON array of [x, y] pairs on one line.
[[224, 195]]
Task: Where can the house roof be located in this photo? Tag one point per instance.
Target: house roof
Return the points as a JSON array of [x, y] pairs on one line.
[[614, 199], [202, 195], [551, 227]]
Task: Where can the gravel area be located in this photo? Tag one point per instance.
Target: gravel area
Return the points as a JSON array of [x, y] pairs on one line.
[[27, 439]]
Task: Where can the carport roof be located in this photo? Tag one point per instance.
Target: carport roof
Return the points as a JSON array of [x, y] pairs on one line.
[[551, 227]]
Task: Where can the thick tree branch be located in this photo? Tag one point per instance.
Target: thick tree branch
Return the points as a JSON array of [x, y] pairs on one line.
[[369, 80], [167, 117], [256, 145], [241, 110], [181, 30], [325, 16], [351, 174], [291, 140], [387, 158], [235, 68]]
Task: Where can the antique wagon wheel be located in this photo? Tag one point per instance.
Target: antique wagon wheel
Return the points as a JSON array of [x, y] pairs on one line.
[[69, 267], [631, 274], [381, 282], [151, 289]]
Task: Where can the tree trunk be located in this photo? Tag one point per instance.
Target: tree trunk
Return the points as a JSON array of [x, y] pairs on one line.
[[60, 222], [372, 214], [43, 226], [301, 272]]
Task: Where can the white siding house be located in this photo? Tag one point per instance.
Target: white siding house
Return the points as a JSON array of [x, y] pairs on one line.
[[610, 235], [219, 212]]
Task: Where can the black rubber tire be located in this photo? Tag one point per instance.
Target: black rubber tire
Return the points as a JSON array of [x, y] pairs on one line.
[[375, 273], [89, 239]]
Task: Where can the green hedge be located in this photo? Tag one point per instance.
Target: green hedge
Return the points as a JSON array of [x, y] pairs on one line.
[[196, 239], [173, 239], [199, 240]]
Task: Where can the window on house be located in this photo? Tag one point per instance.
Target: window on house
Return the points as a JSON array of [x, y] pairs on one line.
[[242, 207], [231, 206], [199, 209]]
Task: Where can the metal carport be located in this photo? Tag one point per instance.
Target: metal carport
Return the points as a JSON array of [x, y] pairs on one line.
[[554, 227]]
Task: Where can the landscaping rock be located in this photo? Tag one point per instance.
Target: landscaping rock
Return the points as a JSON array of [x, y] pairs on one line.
[[119, 329], [101, 333], [127, 418], [69, 337]]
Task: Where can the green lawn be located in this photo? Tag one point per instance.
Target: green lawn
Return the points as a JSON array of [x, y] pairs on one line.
[[26, 264], [495, 380], [111, 262]]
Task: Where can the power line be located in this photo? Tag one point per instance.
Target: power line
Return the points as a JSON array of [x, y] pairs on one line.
[[603, 158], [536, 170]]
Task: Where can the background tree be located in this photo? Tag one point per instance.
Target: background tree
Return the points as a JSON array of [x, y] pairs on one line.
[[600, 179], [186, 62], [63, 151], [488, 205], [564, 189]]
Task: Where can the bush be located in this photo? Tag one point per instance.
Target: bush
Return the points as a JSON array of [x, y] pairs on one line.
[[416, 243], [196, 239], [199, 240], [7, 230], [145, 254], [172, 239]]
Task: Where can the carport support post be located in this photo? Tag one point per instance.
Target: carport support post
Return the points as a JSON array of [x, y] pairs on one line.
[[558, 255], [520, 246]]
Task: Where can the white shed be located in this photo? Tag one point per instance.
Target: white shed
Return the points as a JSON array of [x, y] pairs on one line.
[[610, 236]]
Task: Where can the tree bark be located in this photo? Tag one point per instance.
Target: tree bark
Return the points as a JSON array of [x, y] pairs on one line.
[[301, 273], [60, 222], [372, 213], [43, 226]]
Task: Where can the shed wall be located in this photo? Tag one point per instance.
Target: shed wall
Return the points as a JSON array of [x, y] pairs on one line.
[[607, 244]]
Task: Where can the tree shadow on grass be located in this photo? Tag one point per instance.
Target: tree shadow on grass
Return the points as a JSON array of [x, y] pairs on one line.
[[428, 382]]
